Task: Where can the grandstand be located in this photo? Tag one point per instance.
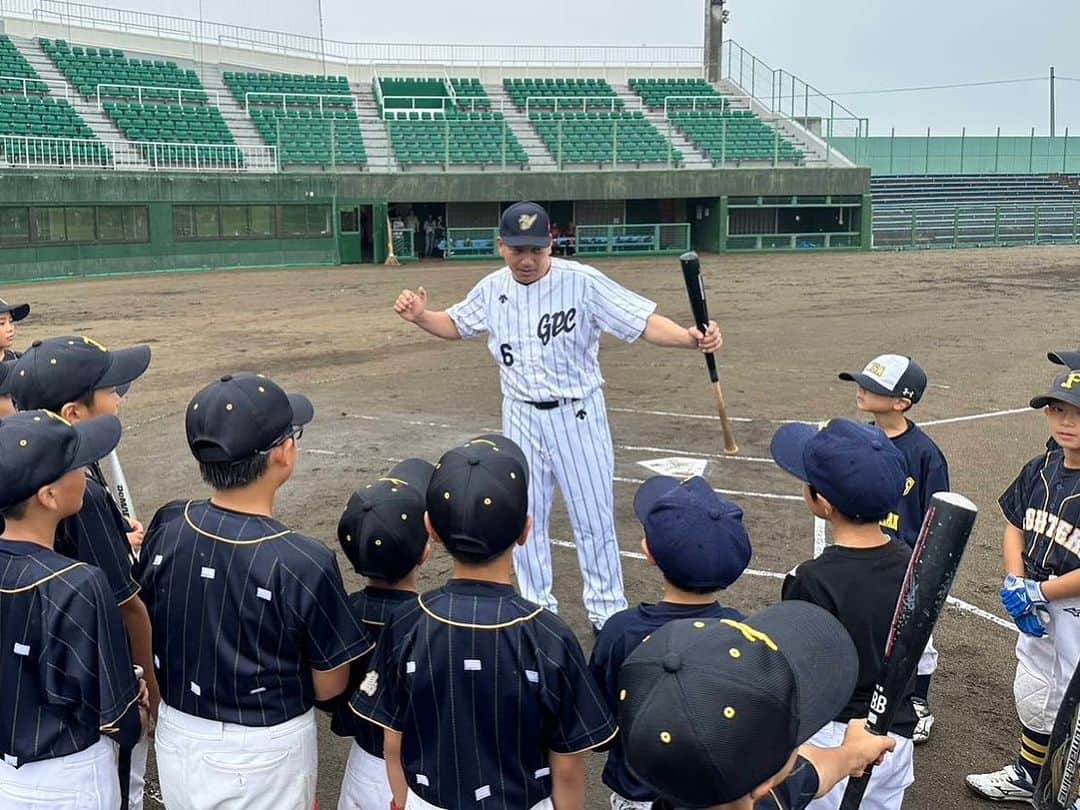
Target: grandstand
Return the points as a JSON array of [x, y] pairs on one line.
[[281, 149]]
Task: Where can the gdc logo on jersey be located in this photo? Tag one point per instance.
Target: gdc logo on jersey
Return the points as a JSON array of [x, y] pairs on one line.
[[551, 326]]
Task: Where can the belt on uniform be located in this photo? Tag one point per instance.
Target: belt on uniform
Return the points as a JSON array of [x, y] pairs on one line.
[[552, 403]]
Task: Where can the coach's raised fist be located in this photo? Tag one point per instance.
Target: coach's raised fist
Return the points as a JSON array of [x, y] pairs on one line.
[[411, 305]]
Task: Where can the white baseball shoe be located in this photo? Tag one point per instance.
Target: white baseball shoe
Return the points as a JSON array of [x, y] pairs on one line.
[[1010, 784], [925, 722]]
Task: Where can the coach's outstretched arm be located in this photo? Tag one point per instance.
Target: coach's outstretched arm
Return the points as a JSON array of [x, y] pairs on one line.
[[412, 306], [662, 331]]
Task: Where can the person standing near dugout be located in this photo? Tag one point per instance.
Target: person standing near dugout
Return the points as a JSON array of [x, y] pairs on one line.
[[543, 318]]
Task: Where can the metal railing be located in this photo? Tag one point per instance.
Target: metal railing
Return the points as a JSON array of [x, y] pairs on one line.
[[678, 103], [581, 104], [977, 226], [471, 243], [305, 100], [57, 89], [186, 29], [33, 151], [159, 95], [404, 244], [651, 239]]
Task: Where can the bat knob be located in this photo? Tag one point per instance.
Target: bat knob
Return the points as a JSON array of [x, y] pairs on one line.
[[689, 256]]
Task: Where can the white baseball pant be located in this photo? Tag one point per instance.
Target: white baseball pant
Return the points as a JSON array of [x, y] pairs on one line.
[[365, 785], [87, 780], [888, 781]]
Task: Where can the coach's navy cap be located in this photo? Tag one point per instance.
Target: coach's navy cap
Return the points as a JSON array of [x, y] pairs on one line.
[[6, 377], [478, 497], [854, 466], [17, 311], [1065, 388], [60, 370], [1068, 359], [39, 447], [242, 415], [696, 537], [891, 375], [525, 224], [382, 529], [708, 710]]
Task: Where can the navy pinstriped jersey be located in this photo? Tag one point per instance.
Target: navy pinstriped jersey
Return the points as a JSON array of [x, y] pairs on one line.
[[621, 635], [1044, 503], [794, 793], [483, 685], [97, 534], [65, 664], [242, 609], [928, 472], [10, 354], [545, 336], [374, 607]]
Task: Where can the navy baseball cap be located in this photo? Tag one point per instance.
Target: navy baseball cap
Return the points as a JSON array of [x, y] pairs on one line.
[[854, 466], [6, 377], [17, 311], [891, 375], [1065, 388], [382, 529], [696, 537], [60, 370], [38, 447], [478, 497], [242, 415], [708, 710], [1068, 359], [525, 224]]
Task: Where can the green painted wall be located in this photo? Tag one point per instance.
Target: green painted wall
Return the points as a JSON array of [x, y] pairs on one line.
[[991, 154]]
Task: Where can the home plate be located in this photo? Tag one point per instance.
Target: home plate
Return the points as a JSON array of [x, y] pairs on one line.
[[676, 466]]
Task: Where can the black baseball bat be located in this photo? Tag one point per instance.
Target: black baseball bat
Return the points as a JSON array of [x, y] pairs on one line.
[[1058, 787], [695, 289], [930, 574]]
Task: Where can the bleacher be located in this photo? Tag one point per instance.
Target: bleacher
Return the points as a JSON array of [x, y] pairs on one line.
[[589, 137], [311, 119], [682, 94], [429, 124], [89, 68], [29, 116], [734, 136], [562, 94]]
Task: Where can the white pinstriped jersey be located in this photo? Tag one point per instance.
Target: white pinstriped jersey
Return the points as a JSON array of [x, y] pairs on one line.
[[545, 336], [65, 663], [483, 685], [242, 610]]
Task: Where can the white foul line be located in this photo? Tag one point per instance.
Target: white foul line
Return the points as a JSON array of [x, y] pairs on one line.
[[646, 449], [772, 495], [712, 417], [637, 555], [974, 416], [967, 607]]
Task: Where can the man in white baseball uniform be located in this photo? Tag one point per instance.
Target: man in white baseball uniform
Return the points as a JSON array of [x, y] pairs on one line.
[[543, 318]]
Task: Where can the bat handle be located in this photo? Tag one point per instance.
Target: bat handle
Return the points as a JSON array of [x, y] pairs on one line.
[[710, 361], [856, 788]]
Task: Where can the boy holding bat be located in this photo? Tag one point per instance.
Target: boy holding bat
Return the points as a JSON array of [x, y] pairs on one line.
[[1042, 587], [854, 477]]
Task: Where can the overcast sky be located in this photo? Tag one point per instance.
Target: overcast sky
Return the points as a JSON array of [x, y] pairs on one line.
[[837, 45]]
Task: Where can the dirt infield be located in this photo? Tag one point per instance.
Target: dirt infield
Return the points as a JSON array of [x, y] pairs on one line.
[[980, 322]]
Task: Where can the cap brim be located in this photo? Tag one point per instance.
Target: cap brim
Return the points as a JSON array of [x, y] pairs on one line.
[[650, 492], [17, 311], [1070, 360], [97, 438], [302, 409], [1037, 402], [787, 447], [820, 653], [413, 471], [126, 366], [867, 382], [526, 241]]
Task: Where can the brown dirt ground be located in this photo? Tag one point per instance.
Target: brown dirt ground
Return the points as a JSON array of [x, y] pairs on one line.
[[980, 322]]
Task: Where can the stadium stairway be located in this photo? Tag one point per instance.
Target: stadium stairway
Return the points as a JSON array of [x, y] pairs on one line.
[[693, 158], [373, 129], [94, 117], [540, 158], [236, 117]]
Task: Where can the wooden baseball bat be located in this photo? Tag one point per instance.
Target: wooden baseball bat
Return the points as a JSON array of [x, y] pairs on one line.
[[695, 289], [930, 574]]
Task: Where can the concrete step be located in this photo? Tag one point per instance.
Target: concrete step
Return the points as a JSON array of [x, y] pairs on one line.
[[540, 157], [693, 158], [373, 129]]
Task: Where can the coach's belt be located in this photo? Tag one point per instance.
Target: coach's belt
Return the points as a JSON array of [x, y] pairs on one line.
[[550, 404]]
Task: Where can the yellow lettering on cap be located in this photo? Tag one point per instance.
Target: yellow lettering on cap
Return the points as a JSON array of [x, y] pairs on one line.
[[1071, 380], [909, 485], [94, 343], [484, 441], [750, 634], [397, 482], [57, 417], [876, 369], [525, 221]]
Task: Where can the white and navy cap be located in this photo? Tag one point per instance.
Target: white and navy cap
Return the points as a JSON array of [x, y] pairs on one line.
[[525, 224], [891, 375]]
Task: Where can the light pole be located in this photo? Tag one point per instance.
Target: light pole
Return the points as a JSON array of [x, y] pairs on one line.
[[322, 39]]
